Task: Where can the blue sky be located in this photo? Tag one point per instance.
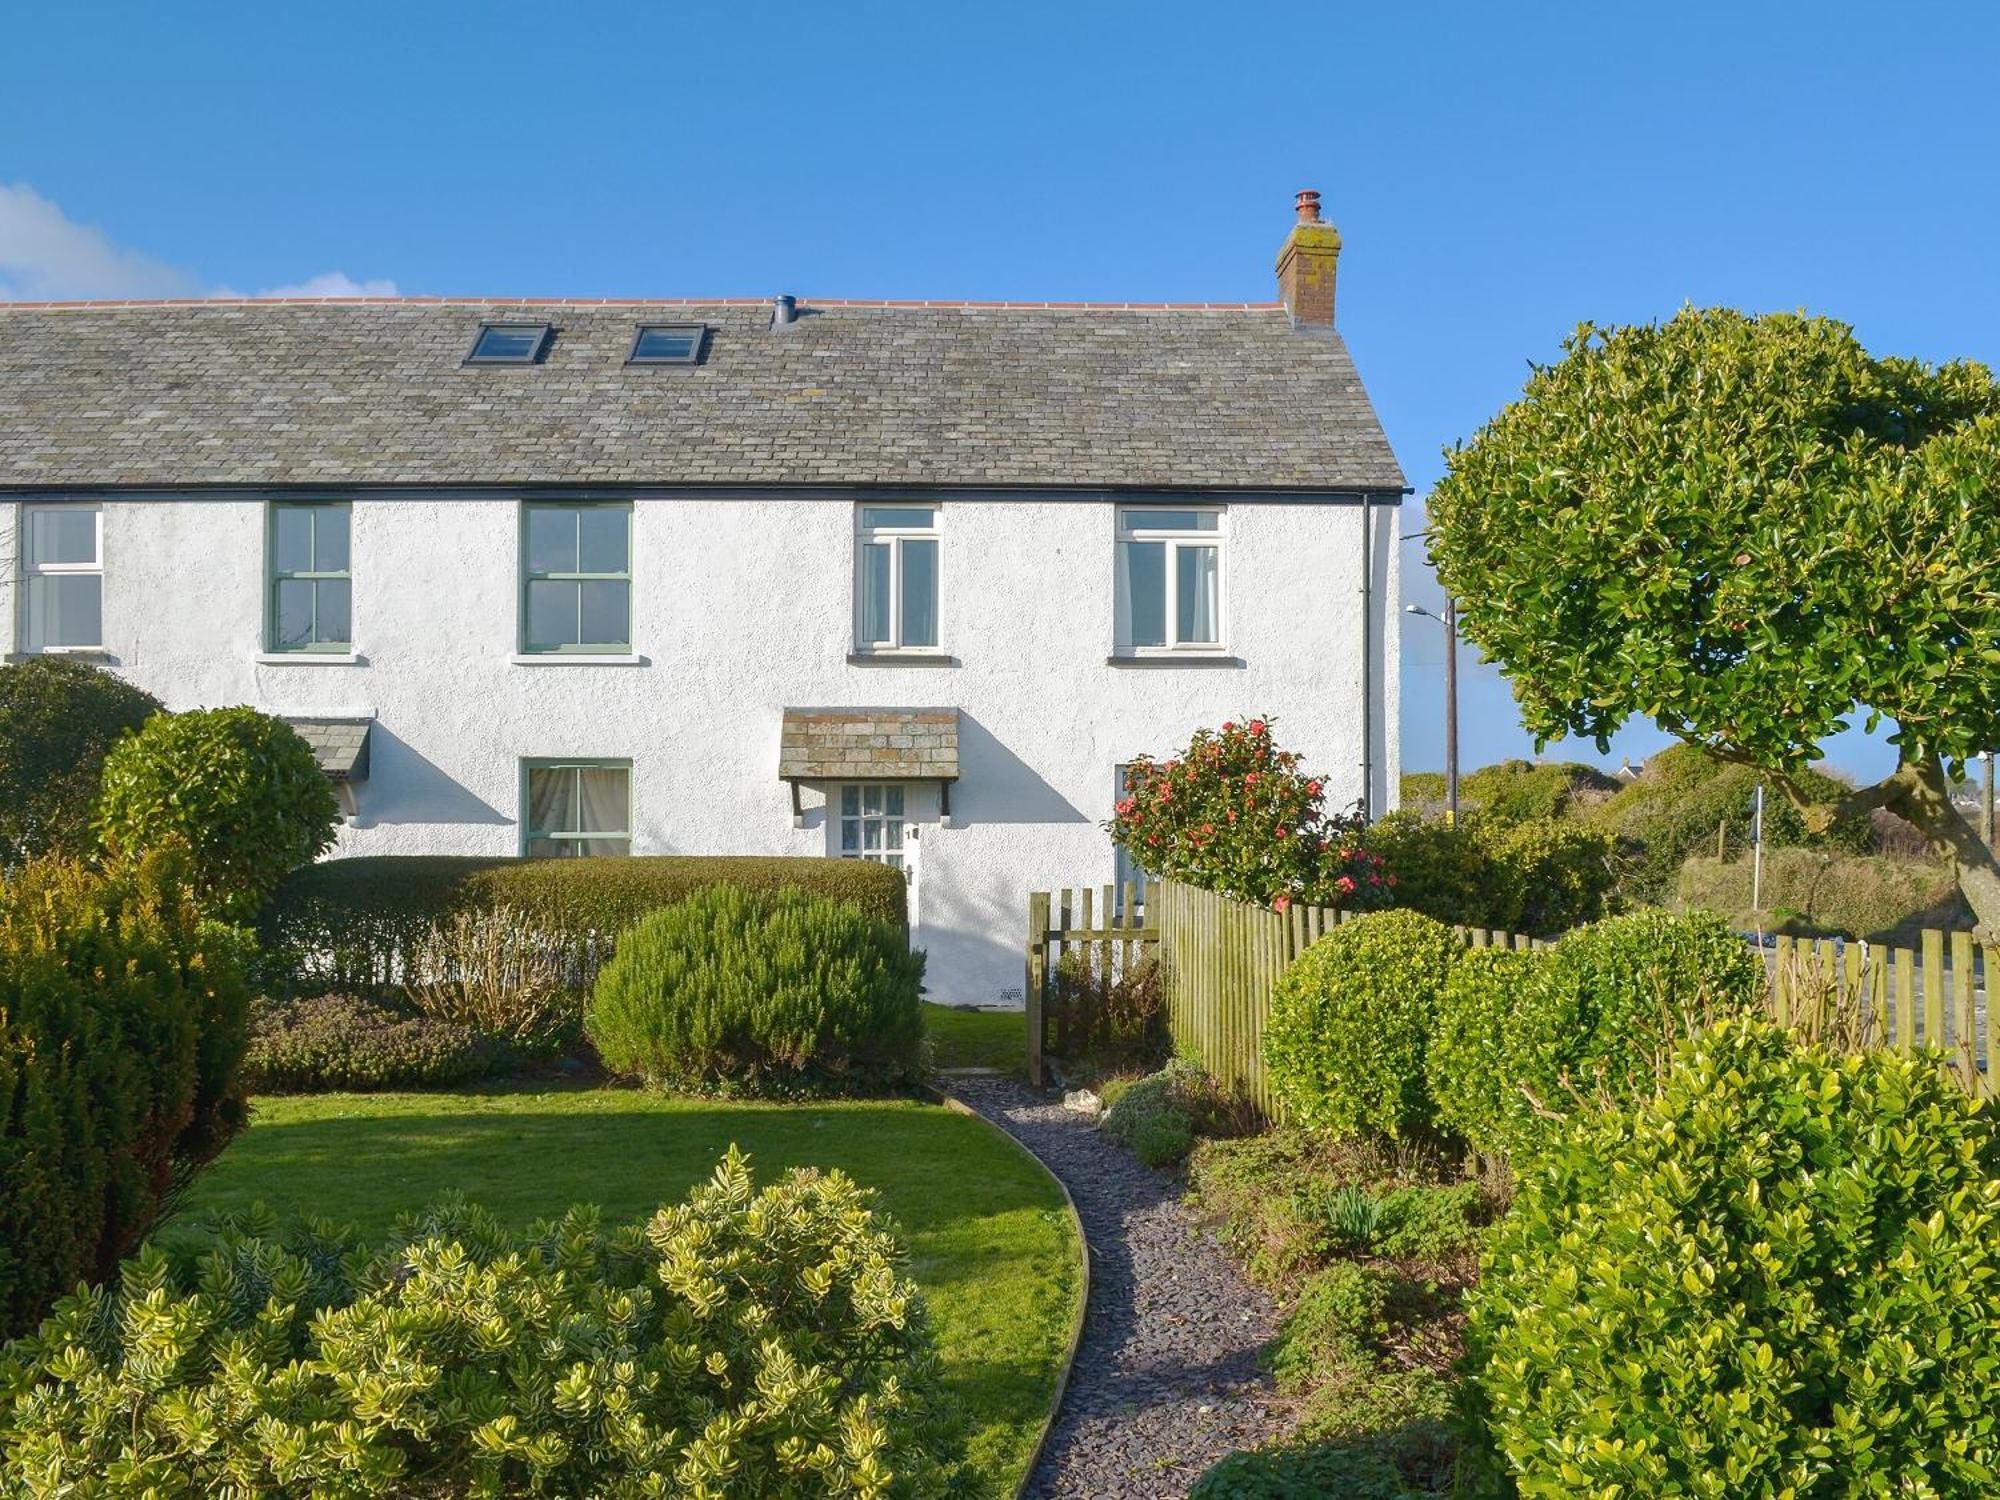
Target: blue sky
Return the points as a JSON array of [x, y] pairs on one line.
[[1499, 172]]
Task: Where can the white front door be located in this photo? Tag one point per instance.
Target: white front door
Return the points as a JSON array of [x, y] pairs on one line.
[[873, 820]]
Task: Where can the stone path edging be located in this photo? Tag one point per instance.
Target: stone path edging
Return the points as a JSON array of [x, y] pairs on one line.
[[1080, 1305], [1167, 1379]]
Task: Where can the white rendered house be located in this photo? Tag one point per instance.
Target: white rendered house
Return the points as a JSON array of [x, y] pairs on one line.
[[597, 577]]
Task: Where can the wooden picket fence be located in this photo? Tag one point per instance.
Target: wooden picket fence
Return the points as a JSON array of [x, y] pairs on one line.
[[1223, 959], [1108, 933]]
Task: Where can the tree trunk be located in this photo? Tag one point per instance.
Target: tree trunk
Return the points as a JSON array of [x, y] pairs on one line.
[[1919, 792]]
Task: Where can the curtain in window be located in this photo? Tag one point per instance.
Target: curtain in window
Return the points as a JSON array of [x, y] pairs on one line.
[[552, 800], [1195, 594], [875, 627], [603, 799], [920, 592], [1142, 593]]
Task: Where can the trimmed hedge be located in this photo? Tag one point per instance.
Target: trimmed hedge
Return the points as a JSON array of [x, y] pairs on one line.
[[354, 924], [1522, 1037], [327, 1043], [1350, 1021], [121, 1031], [1541, 877], [742, 1342], [1779, 1277], [742, 991]]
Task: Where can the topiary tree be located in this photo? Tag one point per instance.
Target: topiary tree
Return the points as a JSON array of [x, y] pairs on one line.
[[1779, 1277], [1350, 1021], [59, 718], [1748, 530], [1233, 813], [240, 789]]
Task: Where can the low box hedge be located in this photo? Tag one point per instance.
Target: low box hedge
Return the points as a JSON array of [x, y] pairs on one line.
[[352, 924]]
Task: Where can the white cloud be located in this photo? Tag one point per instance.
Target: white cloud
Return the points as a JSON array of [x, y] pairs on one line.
[[333, 284], [47, 256]]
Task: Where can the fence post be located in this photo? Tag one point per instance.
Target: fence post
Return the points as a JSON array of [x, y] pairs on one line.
[[1038, 978]]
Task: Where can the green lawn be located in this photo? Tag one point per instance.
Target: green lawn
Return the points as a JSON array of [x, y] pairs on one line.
[[978, 1038], [990, 1242]]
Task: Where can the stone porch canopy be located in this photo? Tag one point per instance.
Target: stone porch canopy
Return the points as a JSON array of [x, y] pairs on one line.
[[869, 744]]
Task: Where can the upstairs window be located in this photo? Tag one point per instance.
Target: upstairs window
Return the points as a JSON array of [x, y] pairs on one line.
[[578, 809], [62, 564], [509, 344], [667, 344], [1169, 581], [576, 578], [896, 578], [311, 589]]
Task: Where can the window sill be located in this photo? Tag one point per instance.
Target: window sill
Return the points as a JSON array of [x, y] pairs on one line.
[[310, 659], [63, 651], [1173, 659], [575, 659], [901, 659]]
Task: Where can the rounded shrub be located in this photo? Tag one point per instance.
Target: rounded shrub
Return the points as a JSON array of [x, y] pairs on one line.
[[1526, 1039], [1779, 1276], [58, 720], [239, 788], [742, 992], [1157, 1117], [1350, 1023], [744, 1341]]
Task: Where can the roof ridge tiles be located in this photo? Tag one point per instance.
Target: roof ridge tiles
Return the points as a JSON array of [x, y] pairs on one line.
[[932, 303]]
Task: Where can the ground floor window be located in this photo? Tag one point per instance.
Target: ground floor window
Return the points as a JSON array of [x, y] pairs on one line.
[[871, 823], [1124, 866], [578, 808]]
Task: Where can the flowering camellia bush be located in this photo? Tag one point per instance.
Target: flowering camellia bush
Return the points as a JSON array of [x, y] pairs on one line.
[[1235, 814]]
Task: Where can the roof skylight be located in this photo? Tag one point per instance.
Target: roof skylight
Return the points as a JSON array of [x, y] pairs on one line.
[[509, 344], [666, 344]]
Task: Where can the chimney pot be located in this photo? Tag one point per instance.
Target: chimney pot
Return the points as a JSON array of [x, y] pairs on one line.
[[1306, 265]]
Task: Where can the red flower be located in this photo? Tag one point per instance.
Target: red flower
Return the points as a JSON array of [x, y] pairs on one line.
[[1281, 830], [1392, 880], [1125, 808], [1232, 815], [1228, 726], [1250, 779], [1345, 885], [1208, 828], [1283, 903], [1152, 838], [1312, 788], [1256, 726]]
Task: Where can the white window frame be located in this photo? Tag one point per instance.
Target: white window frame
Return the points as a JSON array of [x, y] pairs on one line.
[[24, 542], [894, 536], [529, 833], [1175, 539], [897, 858]]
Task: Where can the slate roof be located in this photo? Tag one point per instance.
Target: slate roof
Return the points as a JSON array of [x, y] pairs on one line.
[[339, 745], [862, 744], [375, 391]]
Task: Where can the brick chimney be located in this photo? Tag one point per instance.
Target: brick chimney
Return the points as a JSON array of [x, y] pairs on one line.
[[1306, 266]]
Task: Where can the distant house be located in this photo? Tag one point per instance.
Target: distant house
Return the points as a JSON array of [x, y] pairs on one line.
[[899, 581]]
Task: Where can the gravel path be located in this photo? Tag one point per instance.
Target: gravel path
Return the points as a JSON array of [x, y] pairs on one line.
[[1167, 1380]]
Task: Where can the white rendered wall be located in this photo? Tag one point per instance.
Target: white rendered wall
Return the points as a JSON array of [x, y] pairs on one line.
[[742, 608]]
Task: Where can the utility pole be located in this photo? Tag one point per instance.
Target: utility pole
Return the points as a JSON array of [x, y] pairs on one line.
[[1449, 619], [1986, 802]]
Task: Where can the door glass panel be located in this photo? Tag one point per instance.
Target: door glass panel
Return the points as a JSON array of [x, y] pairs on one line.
[[850, 835], [606, 534], [920, 590], [552, 608], [850, 801], [893, 801], [551, 540], [1195, 595], [871, 800], [871, 833]]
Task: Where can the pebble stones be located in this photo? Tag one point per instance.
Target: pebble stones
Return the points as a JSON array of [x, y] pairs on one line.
[[1167, 1380]]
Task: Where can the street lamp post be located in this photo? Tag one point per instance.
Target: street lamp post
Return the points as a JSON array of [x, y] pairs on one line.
[[1449, 619]]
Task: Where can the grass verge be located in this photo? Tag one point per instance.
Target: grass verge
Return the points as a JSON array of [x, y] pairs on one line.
[[990, 1241], [978, 1038]]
